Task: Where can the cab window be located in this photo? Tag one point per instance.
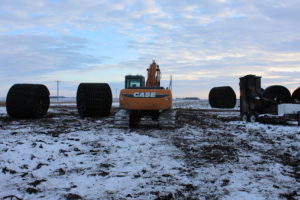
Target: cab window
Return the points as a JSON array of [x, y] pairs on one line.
[[134, 83]]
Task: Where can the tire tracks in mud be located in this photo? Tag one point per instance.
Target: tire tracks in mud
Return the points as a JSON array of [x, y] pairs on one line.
[[213, 149], [215, 142]]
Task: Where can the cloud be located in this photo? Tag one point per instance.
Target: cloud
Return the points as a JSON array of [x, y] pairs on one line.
[[206, 43], [29, 58], [27, 54]]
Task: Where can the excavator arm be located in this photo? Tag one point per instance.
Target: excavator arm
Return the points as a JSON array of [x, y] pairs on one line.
[[154, 75]]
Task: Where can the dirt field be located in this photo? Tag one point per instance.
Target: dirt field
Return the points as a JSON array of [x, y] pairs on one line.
[[210, 155]]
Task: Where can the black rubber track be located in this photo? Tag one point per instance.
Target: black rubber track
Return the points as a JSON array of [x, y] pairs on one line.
[[296, 95], [278, 94], [94, 99], [222, 97], [27, 101]]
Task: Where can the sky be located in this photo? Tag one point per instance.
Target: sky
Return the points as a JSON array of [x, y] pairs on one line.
[[201, 43]]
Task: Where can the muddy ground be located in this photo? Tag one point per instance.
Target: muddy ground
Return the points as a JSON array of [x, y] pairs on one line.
[[209, 155]]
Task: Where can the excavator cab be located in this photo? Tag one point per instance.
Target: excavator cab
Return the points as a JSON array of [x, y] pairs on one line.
[[134, 81]]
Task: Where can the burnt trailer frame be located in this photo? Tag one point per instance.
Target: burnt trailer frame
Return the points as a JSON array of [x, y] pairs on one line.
[[254, 106], [284, 119], [251, 104]]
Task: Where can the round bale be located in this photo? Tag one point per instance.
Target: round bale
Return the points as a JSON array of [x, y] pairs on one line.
[[277, 93], [222, 97], [94, 99], [296, 95], [27, 101]]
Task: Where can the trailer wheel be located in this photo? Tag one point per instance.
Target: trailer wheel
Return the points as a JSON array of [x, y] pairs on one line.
[[278, 94], [244, 117], [27, 101], [252, 117], [94, 99]]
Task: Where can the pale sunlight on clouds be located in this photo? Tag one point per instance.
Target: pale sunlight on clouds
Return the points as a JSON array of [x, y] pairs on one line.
[[201, 43]]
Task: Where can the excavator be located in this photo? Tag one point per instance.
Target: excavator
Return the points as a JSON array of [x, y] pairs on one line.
[[145, 104]]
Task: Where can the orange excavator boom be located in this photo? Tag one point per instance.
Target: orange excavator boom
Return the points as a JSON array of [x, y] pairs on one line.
[[154, 75]]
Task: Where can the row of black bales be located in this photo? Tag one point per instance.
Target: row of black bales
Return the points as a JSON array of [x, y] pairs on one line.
[[95, 99], [225, 97], [33, 100]]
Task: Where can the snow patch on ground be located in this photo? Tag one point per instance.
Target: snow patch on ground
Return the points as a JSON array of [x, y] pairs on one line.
[[197, 104], [2, 110], [104, 163], [210, 155]]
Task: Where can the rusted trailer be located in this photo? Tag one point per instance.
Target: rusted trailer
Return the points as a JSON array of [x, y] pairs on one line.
[[271, 105]]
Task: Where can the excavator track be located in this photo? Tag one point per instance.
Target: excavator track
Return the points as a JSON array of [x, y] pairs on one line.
[[167, 119], [122, 118]]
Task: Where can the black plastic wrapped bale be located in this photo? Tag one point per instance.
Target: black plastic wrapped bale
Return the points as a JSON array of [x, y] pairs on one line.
[[296, 95], [222, 97], [278, 94], [27, 101], [94, 99]]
